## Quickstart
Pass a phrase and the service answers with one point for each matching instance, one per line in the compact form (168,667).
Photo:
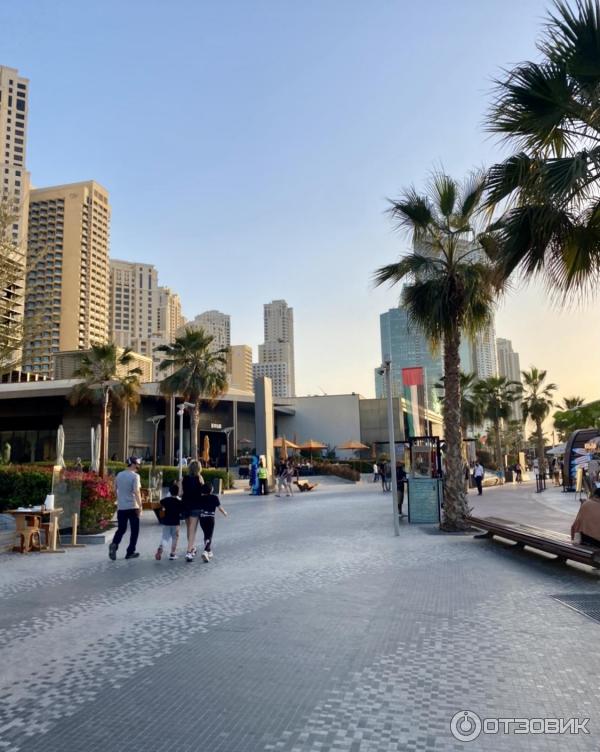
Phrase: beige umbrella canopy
(206,450)
(311,444)
(354,446)
(278,443)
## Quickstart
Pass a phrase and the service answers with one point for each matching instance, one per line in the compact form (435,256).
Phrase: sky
(250,146)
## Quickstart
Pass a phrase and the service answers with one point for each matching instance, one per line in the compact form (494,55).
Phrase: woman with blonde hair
(192,500)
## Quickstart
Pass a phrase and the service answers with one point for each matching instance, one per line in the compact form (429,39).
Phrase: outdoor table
(51,527)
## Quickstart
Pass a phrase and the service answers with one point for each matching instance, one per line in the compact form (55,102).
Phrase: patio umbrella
(60,446)
(311,444)
(289,444)
(283,452)
(206,450)
(353,446)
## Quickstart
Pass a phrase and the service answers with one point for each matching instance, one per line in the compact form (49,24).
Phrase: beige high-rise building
(276,355)
(239,366)
(67,271)
(134,302)
(217,324)
(170,317)
(14,96)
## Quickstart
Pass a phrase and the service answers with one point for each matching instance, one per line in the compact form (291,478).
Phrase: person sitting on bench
(587,522)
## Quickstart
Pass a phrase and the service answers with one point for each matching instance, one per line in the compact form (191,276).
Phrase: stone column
(263,421)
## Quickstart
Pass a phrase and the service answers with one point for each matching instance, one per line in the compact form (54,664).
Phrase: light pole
(155,420)
(385,371)
(227,432)
(181,413)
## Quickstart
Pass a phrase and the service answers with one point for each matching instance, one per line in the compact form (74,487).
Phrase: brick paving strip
(313,629)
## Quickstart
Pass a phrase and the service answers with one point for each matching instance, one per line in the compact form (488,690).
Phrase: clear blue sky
(248,146)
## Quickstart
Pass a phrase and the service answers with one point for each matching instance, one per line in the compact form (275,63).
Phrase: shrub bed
(20,486)
(341,471)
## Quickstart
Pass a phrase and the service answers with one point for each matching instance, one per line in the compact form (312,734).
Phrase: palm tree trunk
(104,434)
(455,502)
(195,421)
(499,458)
(540,447)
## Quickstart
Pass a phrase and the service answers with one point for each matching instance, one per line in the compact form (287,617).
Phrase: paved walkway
(552,509)
(314,629)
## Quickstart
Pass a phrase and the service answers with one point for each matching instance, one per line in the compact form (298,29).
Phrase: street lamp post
(227,432)
(155,420)
(181,413)
(385,371)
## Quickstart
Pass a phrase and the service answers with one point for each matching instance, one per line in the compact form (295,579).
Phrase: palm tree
(447,289)
(537,401)
(198,373)
(550,188)
(569,403)
(471,408)
(107,379)
(498,396)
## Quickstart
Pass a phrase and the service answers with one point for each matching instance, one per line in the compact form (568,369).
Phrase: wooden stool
(27,533)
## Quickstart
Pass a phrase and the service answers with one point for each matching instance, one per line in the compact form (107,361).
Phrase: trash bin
(217,484)
(509,476)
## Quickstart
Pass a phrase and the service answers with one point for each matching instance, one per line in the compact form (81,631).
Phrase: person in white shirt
(129,508)
(478,473)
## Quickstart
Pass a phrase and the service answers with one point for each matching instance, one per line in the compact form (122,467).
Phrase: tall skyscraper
(509,366)
(67,271)
(484,352)
(276,355)
(239,365)
(133,301)
(14,109)
(170,317)
(408,347)
(143,315)
(217,324)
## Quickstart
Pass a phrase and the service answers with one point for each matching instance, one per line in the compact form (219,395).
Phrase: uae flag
(413,380)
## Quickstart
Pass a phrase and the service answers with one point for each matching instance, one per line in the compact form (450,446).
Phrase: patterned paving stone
(313,629)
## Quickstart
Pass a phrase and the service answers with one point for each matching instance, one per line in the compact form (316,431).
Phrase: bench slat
(545,540)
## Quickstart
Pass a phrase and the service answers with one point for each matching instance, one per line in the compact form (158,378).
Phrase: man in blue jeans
(129,508)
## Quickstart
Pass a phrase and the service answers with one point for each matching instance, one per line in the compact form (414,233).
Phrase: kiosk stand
(425,490)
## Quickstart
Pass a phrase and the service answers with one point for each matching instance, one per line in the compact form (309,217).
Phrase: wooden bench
(558,544)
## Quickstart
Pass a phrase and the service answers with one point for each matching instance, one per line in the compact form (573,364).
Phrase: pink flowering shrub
(98,503)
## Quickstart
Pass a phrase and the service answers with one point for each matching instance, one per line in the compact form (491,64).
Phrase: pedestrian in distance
(478,473)
(170,513)
(400,481)
(375,472)
(382,472)
(519,472)
(263,478)
(209,505)
(280,479)
(191,492)
(288,477)
(129,509)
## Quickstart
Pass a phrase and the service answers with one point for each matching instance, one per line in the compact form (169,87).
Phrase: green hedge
(23,487)
(340,471)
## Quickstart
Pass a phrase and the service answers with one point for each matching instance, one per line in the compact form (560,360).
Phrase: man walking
(478,477)
(129,508)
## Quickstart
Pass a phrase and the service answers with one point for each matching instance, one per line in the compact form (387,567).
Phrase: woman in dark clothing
(192,502)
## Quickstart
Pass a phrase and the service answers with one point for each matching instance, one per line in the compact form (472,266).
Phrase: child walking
(209,503)
(170,517)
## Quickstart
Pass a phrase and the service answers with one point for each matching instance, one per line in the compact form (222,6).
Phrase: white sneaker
(205,556)
(210,554)
(189,556)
